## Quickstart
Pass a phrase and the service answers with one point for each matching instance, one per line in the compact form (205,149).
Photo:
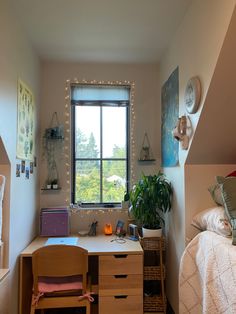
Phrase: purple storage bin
(54,222)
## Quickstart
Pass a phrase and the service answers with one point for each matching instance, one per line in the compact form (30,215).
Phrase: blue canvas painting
(169,118)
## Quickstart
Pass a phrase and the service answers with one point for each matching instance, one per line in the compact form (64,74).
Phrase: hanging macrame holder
(55,130)
(146,152)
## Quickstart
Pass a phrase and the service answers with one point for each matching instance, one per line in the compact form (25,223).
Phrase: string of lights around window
(67,148)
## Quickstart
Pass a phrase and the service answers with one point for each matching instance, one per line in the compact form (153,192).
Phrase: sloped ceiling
(214,139)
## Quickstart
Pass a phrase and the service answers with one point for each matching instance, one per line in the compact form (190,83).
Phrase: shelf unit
(154,275)
(44,189)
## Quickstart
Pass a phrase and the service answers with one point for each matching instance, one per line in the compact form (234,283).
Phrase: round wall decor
(192,94)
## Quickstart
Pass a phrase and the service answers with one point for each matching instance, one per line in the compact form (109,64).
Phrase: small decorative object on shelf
(146,152)
(52,146)
(55,130)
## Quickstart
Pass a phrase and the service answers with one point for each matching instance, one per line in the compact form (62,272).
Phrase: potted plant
(55,184)
(150,199)
(48,184)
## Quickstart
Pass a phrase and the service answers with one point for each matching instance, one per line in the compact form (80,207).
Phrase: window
(100,138)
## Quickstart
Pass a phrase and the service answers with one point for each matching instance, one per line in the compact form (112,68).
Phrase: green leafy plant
(150,199)
(126,196)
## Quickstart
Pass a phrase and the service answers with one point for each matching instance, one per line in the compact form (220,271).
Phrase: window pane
(114,132)
(87,181)
(87,132)
(114,180)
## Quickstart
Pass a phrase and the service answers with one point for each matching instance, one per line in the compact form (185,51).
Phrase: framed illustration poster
(169,118)
(25,123)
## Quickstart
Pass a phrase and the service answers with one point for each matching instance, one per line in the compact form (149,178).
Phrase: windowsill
(3,273)
(102,209)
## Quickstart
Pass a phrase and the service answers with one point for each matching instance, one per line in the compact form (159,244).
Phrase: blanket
(207,277)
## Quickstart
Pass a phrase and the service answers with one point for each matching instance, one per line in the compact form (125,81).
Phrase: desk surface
(98,245)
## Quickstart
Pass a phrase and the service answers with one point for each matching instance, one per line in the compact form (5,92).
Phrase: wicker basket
(153,244)
(154,304)
(153,272)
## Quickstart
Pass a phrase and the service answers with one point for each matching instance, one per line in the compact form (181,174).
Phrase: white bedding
(207,277)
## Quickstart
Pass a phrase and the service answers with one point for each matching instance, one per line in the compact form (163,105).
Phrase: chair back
(59,261)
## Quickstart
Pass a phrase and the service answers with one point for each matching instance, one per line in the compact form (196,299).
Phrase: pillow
(216,194)
(213,219)
(228,189)
(215,191)
(232,174)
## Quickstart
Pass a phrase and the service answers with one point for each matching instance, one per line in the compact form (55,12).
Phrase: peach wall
(195,49)
(147,113)
(17,59)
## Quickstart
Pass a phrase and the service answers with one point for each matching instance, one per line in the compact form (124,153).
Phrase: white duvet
(207,277)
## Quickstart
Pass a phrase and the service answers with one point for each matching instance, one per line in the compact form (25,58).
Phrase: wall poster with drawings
(25,123)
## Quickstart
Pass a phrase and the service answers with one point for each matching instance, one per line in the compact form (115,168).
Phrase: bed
(207,277)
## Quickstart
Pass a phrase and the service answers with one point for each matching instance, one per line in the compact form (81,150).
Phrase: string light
(67,148)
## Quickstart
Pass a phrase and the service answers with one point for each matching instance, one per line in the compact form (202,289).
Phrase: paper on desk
(63,240)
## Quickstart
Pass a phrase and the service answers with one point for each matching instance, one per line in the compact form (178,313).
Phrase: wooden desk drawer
(125,304)
(120,264)
(120,284)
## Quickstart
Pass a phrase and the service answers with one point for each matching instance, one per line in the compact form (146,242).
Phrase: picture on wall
(169,118)
(25,123)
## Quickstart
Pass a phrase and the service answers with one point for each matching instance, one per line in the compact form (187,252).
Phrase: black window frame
(106,103)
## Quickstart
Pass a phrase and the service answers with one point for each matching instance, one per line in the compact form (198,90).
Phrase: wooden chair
(60,278)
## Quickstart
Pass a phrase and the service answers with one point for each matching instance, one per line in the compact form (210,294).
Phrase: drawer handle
(120,255)
(120,296)
(120,276)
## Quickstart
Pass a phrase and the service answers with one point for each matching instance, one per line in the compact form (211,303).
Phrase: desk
(118,268)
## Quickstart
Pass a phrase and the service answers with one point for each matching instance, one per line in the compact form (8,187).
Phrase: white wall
(195,49)
(146,78)
(17,59)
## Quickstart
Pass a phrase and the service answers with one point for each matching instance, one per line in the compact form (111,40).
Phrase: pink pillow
(54,284)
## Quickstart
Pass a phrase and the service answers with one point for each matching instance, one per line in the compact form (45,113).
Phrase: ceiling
(127,31)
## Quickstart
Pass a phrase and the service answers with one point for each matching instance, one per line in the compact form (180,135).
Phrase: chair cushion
(54,284)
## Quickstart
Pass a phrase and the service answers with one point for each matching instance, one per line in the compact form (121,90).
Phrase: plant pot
(49,186)
(55,186)
(149,233)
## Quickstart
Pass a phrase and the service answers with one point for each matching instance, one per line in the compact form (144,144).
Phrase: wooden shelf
(154,274)
(45,189)
(146,160)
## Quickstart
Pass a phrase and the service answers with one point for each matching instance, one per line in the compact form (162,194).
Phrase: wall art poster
(169,119)
(25,123)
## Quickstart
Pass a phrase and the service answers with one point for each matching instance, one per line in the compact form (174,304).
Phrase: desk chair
(60,278)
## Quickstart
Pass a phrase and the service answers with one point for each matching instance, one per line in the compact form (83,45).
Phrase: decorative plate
(192,94)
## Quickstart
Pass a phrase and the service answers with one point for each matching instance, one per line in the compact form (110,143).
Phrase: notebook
(63,240)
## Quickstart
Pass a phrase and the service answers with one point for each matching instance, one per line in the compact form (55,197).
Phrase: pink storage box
(54,222)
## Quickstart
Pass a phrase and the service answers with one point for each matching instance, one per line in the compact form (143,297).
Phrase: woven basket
(154,304)
(153,272)
(152,244)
